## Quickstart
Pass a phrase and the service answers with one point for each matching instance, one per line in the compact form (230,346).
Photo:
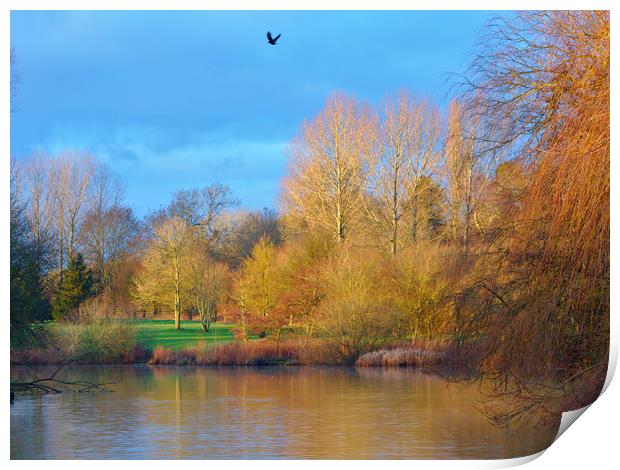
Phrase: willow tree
(162,278)
(326,168)
(546,76)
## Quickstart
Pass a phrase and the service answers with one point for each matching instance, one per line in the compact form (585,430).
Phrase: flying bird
(271,40)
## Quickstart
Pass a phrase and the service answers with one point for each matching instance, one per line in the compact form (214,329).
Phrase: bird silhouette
(271,40)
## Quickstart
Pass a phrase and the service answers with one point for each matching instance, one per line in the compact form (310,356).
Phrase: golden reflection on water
(239,413)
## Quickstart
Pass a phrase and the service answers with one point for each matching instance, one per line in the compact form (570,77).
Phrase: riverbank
(116,341)
(266,352)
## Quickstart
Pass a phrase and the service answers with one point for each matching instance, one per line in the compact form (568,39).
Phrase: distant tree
(69,183)
(61,192)
(238,308)
(416,285)
(76,286)
(241,233)
(430,213)
(106,237)
(105,193)
(353,315)
(201,207)
(302,286)
(39,199)
(163,276)
(502,200)
(208,284)
(469,165)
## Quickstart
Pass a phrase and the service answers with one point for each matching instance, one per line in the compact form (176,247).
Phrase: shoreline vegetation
(125,342)
(256,353)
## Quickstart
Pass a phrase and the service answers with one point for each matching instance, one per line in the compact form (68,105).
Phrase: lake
(160,412)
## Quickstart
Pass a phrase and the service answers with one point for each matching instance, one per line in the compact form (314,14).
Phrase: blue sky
(176,100)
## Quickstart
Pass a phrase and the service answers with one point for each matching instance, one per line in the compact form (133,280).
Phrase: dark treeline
(486,227)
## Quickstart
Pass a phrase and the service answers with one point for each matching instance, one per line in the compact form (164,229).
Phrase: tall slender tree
(404,153)
(325,180)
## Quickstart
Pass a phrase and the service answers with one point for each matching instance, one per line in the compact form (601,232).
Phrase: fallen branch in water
(53,385)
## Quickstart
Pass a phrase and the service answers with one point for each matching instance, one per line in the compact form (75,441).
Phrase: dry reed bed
(401,357)
(252,353)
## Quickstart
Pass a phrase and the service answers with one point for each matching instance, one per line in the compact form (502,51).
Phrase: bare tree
(404,153)
(69,181)
(106,226)
(326,167)
(239,233)
(40,205)
(208,284)
(469,164)
(106,238)
(201,207)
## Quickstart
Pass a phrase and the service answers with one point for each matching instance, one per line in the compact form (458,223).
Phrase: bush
(43,357)
(162,356)
(353,315)
(99,341)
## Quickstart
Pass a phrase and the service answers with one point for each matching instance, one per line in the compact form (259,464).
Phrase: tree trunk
(177,295)
(466,236)
(177,310)
(394,237)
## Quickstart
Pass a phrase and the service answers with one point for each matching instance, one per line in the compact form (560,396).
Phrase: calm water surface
(242,413)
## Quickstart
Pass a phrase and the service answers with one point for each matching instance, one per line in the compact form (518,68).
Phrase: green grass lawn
(153,333)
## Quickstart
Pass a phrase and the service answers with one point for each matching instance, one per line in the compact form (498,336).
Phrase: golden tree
(162,278)
(325,179)
(257,291)
(301,264)
(416,285)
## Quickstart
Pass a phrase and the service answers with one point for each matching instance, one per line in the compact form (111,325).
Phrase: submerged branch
(53,385)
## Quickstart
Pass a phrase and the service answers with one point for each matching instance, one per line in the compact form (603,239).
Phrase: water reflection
(206,413)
